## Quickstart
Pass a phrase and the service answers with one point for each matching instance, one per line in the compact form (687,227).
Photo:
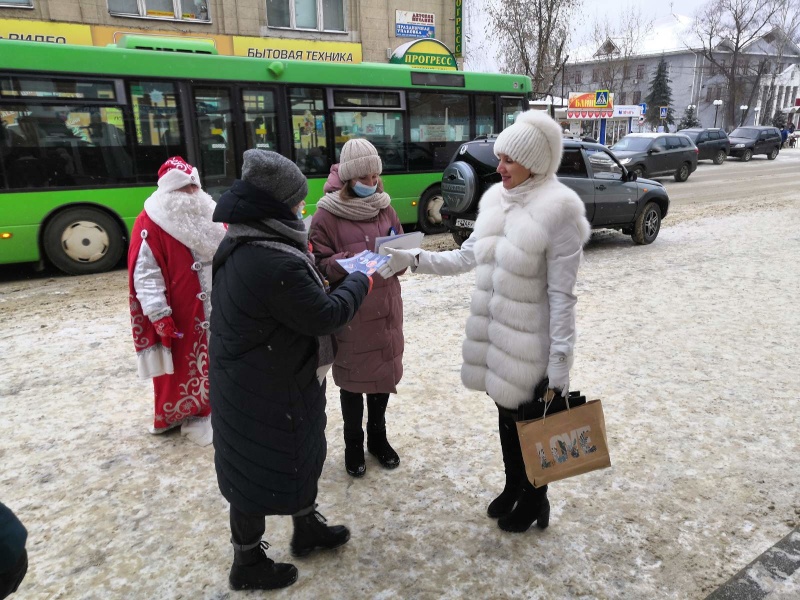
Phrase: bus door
(214,141)
(260,120)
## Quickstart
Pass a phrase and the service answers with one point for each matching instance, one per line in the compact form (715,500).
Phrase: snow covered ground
(691,343)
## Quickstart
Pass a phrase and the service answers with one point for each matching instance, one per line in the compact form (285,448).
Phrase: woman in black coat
(270,349)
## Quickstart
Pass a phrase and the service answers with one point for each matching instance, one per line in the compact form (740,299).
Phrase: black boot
(512,462)
(311,532)
(252,570)
(352,416)
(532,506)
(377,444)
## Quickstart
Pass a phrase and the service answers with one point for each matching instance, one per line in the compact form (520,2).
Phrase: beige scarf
(356,209)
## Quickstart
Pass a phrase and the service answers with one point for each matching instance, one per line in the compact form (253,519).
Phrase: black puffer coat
(267,405)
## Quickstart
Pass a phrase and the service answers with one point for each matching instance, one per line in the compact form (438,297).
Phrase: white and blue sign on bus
(663,111)
(414,24)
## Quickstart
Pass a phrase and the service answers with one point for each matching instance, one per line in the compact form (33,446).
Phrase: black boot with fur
(311,532)
(377,444)
(531,506)
(352,416)
(252,570)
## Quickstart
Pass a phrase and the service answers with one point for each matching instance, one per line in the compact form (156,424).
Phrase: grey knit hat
(358,158)
(275,174)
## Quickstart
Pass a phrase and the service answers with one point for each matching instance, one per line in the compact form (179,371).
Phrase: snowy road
(690,342)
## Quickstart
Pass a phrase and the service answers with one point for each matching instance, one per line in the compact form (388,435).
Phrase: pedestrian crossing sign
(601,98)
(663,111)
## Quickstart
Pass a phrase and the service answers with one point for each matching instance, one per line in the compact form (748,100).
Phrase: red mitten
(370,284)
(166,328)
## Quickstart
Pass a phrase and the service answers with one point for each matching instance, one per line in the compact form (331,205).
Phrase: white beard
(187,218)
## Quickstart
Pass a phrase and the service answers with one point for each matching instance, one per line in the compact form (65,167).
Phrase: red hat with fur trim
(177,173)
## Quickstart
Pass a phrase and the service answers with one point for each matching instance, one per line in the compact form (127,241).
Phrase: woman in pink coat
(369,358)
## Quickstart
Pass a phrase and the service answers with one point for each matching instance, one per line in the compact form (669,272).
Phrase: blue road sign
(601,98)
(644,107)
(664,111)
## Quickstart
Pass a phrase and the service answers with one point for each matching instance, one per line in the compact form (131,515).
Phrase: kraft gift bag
(564,444)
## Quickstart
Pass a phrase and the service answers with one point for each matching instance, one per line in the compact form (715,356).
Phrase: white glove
(558,374)
(398,260)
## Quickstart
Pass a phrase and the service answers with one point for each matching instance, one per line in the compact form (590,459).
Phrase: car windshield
(744,132)
(635,144)
(692,135)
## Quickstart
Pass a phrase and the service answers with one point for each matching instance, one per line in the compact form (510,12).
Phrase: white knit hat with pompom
(534,141)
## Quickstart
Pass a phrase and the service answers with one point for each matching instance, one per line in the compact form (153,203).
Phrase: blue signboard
(644,107)
(414,31)
(664,111)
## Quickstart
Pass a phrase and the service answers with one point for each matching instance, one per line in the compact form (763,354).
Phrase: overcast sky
(592,10)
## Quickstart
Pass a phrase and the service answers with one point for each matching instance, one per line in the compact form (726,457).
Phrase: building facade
(332,30)
(768,77)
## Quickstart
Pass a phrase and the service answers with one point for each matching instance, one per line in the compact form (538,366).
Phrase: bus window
(260,120)
(383,129)
(511,108)
(439,124)
(309,148)
(217,161)
(64,145)
(484,115)
(157,122)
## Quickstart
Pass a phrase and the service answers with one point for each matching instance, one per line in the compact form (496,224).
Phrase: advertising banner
(582,105)
(286,49)
(41,31)
(414,24)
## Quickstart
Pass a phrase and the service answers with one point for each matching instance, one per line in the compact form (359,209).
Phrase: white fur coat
(528,245)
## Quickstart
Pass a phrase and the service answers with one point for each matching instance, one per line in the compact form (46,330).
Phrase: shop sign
(414,24)
(425,54)
(39,31)
(458,48)
(296,49)
(627,110)
(583,105)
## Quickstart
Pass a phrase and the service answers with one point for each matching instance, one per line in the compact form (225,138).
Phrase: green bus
(83,131)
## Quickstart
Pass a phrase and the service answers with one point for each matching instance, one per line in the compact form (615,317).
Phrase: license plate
(469,224)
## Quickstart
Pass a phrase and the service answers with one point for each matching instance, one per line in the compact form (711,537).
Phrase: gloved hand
(165,327)
(398,260)
(558,374)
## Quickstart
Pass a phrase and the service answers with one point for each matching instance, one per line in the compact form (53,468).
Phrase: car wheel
(682,174)
(773,154)
(639,170)
(80,241)
(720,157)
(647,225)
(747,155)
(430,215)
(460,237)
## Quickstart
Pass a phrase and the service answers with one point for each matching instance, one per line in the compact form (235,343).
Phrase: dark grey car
(654,154)
(747,141)
(712,143)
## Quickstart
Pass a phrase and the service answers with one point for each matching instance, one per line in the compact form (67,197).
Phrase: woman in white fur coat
(526,249)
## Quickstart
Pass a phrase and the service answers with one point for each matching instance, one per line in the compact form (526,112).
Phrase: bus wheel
(80,241)
(430,216)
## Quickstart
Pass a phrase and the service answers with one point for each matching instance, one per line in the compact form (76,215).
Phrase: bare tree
(726,28)
(532,36)
(782,38)
(617,44)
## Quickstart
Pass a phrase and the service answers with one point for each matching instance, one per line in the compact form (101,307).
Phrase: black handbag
(536,408)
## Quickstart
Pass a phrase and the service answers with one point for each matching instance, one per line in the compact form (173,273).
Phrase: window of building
(637,97)
(439,125)
(20,3)
(626,72)
(578,77)
(320,15)
(640,72)
(709,94)
(595,74)
(183,10)
(623,96)
(310,147)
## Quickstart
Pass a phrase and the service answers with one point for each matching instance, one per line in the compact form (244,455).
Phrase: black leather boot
(352,416)
(531,506)
(512,462)
(252,570)
(377,444)
(311,532)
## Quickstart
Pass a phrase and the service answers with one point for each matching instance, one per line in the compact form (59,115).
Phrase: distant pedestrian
(784,136)
(526,248)
(270,349)
(13,556)
(169,277)
(369,359)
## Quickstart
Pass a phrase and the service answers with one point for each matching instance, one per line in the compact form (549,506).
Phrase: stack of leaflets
(365,261)
(402,241)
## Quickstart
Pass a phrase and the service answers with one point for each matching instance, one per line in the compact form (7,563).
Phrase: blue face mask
(362,191)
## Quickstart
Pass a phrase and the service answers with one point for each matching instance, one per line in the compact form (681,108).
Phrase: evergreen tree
(689,119)
(660,95)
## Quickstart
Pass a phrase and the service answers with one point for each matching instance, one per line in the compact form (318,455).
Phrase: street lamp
(717,103)
(743,108)
(756,110)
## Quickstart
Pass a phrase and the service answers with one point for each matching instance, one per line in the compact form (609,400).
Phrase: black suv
(712,143)
(746,141)
(652,154)
(613,196)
